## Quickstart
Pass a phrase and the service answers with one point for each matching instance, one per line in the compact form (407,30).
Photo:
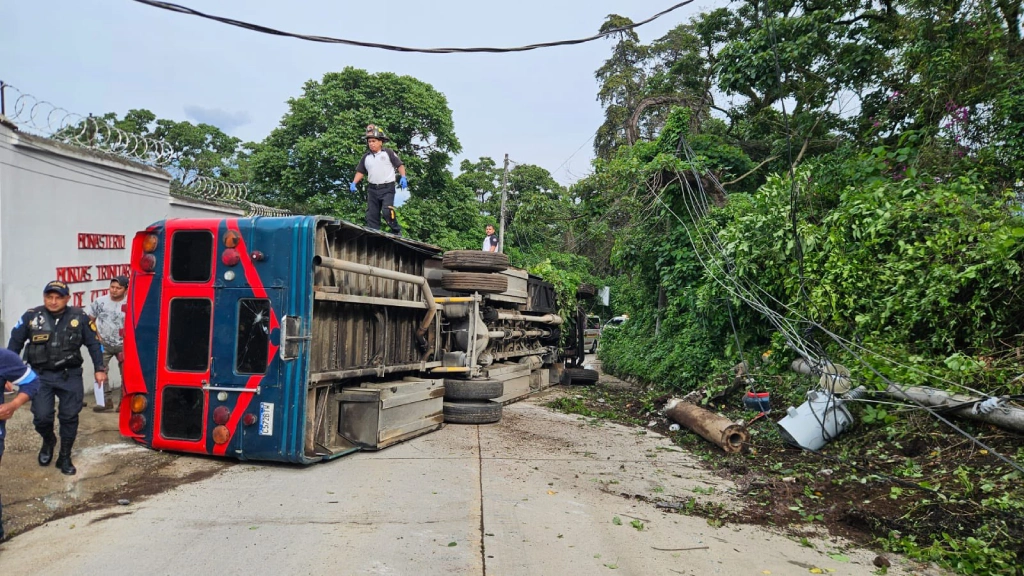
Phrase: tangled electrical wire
(46,119)
(713,256)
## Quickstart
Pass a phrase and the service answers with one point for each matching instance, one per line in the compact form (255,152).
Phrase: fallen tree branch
(754,169)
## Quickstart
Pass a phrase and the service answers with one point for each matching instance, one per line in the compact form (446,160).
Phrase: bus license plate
(266,418)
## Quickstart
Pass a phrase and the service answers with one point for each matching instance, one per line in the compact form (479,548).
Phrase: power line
(331,40)
(585,142)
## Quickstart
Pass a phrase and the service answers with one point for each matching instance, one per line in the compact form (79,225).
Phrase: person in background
(108,314)
(55,333)
(13,372)
(378,165)
(491,241)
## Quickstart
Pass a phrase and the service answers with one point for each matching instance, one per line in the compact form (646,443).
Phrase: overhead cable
(331,40)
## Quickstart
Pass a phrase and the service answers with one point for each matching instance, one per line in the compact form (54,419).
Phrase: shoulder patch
(21,321)
(92,325)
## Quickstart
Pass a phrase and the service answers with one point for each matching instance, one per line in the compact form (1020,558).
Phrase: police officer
(13,372)
(55,333)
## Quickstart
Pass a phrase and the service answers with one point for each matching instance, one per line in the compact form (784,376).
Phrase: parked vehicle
(616,321)
(305,338)
(592,333)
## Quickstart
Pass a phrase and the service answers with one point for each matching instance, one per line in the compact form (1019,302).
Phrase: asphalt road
(537,494)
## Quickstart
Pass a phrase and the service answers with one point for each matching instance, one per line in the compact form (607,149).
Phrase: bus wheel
(480,389)
(474,261)
(579,376)
(474,282)
(484,412)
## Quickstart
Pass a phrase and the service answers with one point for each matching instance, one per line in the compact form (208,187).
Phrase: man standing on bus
(378,165)
(13,372)
(55,333)
(108,314)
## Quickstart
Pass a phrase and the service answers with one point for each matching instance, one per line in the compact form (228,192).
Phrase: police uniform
(13,370)
(54,352)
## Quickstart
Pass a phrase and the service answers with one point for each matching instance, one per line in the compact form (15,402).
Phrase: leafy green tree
(622,79)
(308,161)
(482,176)
(187,150)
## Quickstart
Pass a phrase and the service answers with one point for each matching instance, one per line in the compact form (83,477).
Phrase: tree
(308,161)
(623,80)
(482,176)
(186,150)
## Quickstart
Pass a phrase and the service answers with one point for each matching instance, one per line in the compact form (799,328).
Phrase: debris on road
(716,429)
(818,420)
(990,410)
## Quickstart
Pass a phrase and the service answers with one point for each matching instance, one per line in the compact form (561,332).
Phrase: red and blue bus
(304,338)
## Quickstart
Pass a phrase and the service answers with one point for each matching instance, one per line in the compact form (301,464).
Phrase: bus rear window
(191,256)
(253,336)
(188,335)
(181,413)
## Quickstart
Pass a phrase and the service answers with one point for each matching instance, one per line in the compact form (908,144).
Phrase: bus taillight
(147,263)
(221,434)
(136,423)
(138,403)
(221,414)
(230,257)
(149,243)
(231,239)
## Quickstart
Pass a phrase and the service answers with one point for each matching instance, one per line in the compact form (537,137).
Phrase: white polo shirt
(380,167)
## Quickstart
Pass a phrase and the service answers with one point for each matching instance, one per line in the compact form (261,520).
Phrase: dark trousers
(65,386)
(1,499)
(381,197)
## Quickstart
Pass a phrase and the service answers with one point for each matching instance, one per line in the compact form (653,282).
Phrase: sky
(539,107)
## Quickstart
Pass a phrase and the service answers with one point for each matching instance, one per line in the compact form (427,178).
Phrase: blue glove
(403,183)
(352,186)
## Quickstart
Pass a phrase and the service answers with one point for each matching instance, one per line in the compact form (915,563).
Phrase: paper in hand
(98,392)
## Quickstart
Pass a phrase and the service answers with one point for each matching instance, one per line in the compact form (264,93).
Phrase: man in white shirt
(378,166)
(491,241)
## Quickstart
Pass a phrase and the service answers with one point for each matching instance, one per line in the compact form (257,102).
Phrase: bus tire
(474,261)
(479,389)
(579,376)
(483,412)
(474,282)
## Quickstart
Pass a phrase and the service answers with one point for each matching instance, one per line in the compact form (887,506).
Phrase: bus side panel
(142,331)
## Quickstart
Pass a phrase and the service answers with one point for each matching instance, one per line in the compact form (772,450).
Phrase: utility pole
(504,195)
(3,103)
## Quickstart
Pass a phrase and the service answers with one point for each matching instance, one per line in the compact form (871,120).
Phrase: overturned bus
(305,338)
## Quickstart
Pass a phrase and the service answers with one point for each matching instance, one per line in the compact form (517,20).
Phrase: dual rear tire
(474,271)
(471,401)
(579,376)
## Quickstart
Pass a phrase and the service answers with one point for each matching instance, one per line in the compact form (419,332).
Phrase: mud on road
(110,468)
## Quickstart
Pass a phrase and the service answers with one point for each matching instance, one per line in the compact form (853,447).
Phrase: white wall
(49,193)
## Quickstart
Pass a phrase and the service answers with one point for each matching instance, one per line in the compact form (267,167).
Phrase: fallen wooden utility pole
(716,429)
(990,411)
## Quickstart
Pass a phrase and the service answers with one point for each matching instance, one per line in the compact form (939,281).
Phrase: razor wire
(46,119)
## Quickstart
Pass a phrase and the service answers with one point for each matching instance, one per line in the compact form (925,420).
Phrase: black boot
(46,452)
(64,460)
